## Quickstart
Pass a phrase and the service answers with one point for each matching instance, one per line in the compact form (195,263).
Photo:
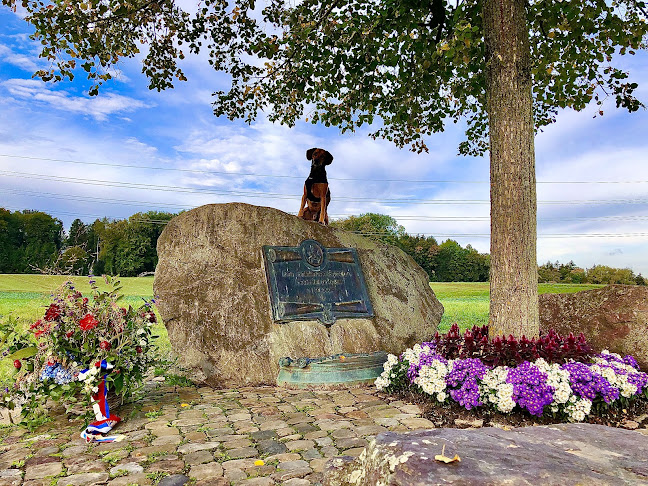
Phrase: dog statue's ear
(328,158)
(309,153)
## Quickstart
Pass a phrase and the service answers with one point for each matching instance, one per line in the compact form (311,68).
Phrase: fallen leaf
(442,458)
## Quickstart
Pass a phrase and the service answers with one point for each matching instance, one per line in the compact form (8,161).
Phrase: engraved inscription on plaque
(313,282)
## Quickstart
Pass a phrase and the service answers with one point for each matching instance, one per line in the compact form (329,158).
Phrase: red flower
(17,364)
(69,334)
(123,310)
(149,316)
(105,345)
(53,312)
(88,322)
(85,301)
(44,328)
(36,324)
(138,349)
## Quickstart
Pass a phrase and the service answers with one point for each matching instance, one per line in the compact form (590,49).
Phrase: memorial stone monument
(241,287)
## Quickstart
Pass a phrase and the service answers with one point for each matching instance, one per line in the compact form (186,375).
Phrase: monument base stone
(212,292)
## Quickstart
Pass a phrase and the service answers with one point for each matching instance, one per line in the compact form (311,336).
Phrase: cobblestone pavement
(205,436)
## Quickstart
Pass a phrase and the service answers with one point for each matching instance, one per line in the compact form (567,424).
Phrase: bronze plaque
(313,282)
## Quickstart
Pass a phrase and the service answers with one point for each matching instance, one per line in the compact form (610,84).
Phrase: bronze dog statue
(317,195)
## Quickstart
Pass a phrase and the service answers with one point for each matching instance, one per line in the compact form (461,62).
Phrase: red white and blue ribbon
(96,431)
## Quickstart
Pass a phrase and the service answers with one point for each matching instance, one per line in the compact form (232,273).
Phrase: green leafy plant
(79,342)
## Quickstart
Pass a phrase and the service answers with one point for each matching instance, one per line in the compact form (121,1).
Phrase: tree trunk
(514,268)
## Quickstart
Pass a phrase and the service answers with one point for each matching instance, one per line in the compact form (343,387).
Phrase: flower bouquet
(85,349)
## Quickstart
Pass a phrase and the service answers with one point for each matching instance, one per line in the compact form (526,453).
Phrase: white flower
(579,410)
(431,378)
(628,390)
(381,383)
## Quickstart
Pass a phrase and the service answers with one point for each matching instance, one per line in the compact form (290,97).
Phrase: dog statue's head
(319,157)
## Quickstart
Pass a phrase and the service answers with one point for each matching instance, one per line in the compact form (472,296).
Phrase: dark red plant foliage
(509,351)
(53,312)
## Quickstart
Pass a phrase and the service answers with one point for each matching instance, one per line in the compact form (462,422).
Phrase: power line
(259,194)
(399,217)
(403,217)
(436,235)
(284,176)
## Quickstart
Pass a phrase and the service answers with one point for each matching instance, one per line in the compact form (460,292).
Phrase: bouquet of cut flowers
(81,348)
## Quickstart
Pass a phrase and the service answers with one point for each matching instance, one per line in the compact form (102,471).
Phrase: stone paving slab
(204,436)
(252,435)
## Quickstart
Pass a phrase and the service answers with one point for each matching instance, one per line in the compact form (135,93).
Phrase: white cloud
(26,63)
(99,107)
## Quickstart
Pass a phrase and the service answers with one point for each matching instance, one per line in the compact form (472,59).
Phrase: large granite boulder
(546,455)
(212,293)
(613,317)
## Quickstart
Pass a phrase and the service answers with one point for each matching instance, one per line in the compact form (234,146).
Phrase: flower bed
(576,384)
(81,347)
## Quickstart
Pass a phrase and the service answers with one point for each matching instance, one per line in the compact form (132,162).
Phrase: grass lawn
(466,303)
(27,296)
(132,286)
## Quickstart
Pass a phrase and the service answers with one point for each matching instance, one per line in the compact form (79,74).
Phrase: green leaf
(23,353)
(118,383)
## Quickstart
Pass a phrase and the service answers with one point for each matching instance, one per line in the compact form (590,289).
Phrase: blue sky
(74,156)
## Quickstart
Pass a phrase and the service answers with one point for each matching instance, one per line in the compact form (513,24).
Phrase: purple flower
(462,381)
(530,389)
(629,360)
(640,380)
(587,384)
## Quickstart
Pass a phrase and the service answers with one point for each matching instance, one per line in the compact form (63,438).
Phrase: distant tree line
(35,242)
(28,239)
(445,262)
(450,262)
(599,274)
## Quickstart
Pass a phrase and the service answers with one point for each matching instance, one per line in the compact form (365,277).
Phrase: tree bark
(514,268)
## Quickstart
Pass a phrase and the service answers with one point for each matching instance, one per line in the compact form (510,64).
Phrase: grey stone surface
(129,468)
(174,480)
(213,296)
(206,471)
(272,447)
(86,479)
(43,470)
(547,455)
